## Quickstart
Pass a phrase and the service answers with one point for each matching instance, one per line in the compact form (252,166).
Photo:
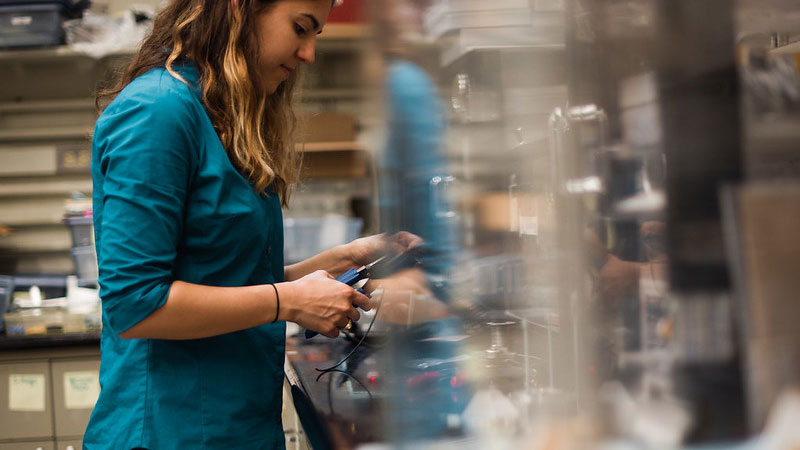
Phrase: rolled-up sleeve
(142,166)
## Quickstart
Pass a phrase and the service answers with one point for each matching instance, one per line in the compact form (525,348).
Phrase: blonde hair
(256,128)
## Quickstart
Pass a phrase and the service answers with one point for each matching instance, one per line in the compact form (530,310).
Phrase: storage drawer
(75,389)
(74,444)
(31,25)
(25,401)
(33,445)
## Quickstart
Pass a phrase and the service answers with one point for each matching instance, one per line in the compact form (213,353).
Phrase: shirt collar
(189,71)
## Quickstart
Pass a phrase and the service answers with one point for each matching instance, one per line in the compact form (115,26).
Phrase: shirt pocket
(262,273)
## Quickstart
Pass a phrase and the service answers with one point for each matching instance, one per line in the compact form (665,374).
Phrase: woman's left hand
(365,250)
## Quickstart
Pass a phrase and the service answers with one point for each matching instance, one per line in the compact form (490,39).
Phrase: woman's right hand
(320,303)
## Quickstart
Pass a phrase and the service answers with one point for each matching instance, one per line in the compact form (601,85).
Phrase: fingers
(370,286)
(342,322)
(406,239)
(360,300)
(353,314)
(331,332)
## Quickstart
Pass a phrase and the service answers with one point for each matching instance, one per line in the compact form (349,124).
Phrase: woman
(192,161)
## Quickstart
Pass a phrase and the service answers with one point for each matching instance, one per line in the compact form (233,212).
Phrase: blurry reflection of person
(624,287)
(619,278)
(412,175)
(412,165)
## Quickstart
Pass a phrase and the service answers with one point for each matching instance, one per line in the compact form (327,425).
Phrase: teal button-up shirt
(169,205)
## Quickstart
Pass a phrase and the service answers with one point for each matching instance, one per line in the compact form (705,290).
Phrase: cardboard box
(336,164)
(328,127)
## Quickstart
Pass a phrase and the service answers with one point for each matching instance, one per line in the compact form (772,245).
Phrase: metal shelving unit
(47,113)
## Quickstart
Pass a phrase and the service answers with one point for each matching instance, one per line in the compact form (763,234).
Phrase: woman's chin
(269,86)
(273,86)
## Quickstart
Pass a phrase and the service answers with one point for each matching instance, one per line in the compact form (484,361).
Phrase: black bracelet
(277,303)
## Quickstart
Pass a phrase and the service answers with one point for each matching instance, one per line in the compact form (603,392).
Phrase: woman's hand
(320,303)
(367,249)
(411,280)
(357,253)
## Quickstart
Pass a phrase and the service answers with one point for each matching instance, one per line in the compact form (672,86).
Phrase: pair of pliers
(381,267)
(350,278)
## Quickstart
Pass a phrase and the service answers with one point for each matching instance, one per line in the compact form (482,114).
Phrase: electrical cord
(366,333)
(344,372)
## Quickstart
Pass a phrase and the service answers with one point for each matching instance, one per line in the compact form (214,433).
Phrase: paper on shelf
(26,392)
(81,389)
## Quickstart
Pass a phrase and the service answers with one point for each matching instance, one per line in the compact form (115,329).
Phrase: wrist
(346,255)
(286,310)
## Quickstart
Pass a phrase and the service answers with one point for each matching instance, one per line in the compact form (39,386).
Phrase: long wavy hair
(256,128)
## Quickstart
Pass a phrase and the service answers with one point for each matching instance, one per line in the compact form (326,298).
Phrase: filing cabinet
(74,444)
(47,396)
(75,390)
(26,406)
(33,445)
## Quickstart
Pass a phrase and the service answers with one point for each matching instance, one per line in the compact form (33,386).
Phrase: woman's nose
(307,49)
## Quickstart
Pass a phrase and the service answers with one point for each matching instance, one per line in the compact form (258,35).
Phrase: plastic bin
(305,237)
(71,8)
(35,321)
(6,291)
(85,260)
(31,25)
(81,229)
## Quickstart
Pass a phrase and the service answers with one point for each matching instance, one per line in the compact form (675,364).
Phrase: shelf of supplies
(345,159)
(44,238)
(51,53)
(546,34)
(313,147)
(793,47)
(316,94)
(49,133)
(333,31)
(453,54)
(51,185)
(335,34)
(77,104)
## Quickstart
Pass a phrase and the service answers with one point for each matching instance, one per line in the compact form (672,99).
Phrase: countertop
(407,384)
(339,408)
(48,340)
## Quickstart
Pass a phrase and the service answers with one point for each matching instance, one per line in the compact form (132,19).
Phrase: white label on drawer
(81,389)
(21,21)
(26,392)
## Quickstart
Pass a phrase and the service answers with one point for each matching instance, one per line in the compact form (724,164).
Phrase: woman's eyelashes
(299,29)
